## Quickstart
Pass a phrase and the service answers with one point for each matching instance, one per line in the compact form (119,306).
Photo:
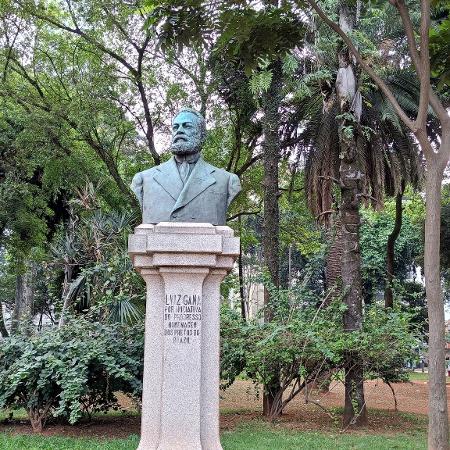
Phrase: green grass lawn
(252,436)
(419,376)
(16,442)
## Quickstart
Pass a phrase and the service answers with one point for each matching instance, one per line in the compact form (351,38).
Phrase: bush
(304,343)
(72,371)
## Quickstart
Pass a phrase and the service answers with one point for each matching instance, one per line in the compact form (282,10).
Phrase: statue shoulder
(146,173)
(219,171)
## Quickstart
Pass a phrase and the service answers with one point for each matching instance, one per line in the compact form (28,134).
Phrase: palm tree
(354,155)
(387,154)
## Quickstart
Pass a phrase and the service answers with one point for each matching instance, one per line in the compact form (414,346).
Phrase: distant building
(447,326)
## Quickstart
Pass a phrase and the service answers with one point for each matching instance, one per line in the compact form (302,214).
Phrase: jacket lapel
(168,178)
(198,181)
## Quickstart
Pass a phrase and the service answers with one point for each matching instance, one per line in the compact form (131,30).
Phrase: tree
(408,252)
(437,153)
(303,342)
(51,84)
(271,231)
(118,36)
(355,153)
(278,22)
(390,255)
(351,179)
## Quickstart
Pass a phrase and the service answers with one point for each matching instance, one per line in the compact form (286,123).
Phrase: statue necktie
(184,171)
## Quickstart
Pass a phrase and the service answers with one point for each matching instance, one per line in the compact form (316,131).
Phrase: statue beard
(182,147)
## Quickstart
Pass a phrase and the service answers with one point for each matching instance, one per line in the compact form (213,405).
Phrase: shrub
(72,371)
(304,343)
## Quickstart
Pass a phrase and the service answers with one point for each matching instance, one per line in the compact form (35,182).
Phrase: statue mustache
(179,136)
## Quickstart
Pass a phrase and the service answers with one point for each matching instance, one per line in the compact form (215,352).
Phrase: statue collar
(191,158)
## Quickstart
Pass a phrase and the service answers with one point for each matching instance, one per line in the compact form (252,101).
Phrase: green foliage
(71,114)
(387,340)
(179,23)
(71,371)
(440,44)
(302,88)
(410,297)
(297,225)
(375,229)
(249,34)
(260,82)
(233,343)
(115,289)
(244,33)
(106,281)
(305,340)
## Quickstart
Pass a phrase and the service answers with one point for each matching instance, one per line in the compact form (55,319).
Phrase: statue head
(188,132)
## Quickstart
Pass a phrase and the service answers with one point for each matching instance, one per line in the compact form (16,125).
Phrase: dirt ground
(411,397)
(239,404)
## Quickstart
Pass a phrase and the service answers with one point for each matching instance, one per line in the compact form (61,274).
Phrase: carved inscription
(182,317)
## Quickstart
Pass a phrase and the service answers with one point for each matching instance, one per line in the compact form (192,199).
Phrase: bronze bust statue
(186,188)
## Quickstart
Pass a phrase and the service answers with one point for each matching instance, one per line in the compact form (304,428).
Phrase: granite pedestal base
(183,265)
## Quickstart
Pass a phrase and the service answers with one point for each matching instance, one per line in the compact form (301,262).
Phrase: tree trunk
(23,306)
(68,271)
(241,284)
(355,412)
(333,280)
(270,242)
(333,272)
(437,400)
(437,160)
(18,304)
(390,253)
(3,330)
(351,181)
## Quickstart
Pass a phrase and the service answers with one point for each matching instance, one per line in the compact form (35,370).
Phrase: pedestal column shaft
(181,389)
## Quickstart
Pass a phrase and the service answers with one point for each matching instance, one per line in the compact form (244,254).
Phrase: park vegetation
(333,114)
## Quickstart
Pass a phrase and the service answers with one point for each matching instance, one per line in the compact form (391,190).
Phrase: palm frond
(124,311)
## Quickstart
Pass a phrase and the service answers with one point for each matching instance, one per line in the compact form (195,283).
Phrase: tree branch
(78,31)
(121,29)
(330,178)
(243,213)
(149,133)
(424,73)
(58,74)
(247,164)
(324,213)
(10,50)
(409,32)
(132,113)
(22,72)
(104,155)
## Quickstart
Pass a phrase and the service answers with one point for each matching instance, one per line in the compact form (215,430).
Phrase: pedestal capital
(181,244)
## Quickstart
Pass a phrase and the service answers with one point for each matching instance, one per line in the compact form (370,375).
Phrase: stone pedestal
(183,265)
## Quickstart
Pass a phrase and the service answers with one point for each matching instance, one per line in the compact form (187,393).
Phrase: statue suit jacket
(204,198)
